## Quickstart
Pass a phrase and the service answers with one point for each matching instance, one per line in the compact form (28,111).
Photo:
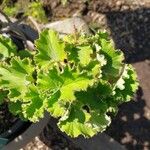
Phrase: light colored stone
(3,19)
(68,26)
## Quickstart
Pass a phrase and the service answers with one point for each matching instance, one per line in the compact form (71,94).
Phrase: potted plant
(13,39)
(79,79)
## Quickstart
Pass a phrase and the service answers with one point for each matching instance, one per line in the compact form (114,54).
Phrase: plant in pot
(79,79)
(10,125)
(13,40)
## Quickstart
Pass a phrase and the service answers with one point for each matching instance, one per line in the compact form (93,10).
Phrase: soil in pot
(7,120)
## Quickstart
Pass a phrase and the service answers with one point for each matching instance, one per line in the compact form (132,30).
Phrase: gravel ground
(36,144)
(128,22)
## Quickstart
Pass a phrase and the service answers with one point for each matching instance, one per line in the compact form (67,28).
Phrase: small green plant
(79,80)
(64,2)
(35,9)
(27,8)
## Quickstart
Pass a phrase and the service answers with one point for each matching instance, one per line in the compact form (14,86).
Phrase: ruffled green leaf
(7,48)
(93,69)
(130,84)
(83,123)
(76,124)
(84,55)
(56,107)
(67,82)
(16,76)
(26,53)
(88,116)
(49,81)
(74,81)
(114,58)
(35,104)
(50,49)
(61,88)
(95,98)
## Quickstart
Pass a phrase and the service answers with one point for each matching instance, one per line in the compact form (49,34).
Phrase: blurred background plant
(64,2)
(20,8)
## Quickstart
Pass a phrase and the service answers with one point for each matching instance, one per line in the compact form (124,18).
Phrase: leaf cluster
(79,79)
(25,7)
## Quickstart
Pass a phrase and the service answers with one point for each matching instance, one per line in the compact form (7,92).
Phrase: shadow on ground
(131,33)
(131,126)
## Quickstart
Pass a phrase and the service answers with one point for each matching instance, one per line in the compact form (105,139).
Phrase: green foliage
(78,79)
(50,49)
(64,2)
(33,8)
(11,11)
(7,48)
(16,76)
